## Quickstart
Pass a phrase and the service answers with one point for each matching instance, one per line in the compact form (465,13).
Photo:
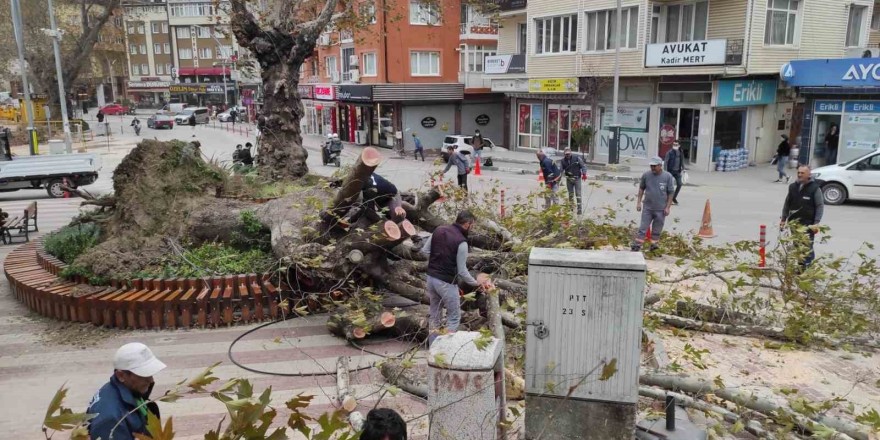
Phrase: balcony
(474,80)
(478,31)
(510,5)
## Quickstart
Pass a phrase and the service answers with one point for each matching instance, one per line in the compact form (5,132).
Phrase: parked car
(116,109)
(201,113)
(174,107)
(160,120)
(242,115)
(858,179)
(463,143)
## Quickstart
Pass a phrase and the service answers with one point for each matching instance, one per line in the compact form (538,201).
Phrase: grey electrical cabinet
(584,310)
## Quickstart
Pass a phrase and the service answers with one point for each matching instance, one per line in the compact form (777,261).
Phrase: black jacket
(784,148)
(573,168)
(444,250)
(804,205)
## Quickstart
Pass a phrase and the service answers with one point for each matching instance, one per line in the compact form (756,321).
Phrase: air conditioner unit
(355,75)
(353,60)
(324,40)
(863,52)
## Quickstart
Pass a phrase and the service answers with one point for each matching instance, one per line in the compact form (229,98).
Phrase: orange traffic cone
(706,225)
(477,168)
(648,237)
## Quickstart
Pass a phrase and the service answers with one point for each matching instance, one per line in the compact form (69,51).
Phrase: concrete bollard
(462,387)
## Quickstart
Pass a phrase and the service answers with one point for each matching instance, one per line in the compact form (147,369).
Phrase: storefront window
(530,126)
(682,125)
(386,125)
(562,121)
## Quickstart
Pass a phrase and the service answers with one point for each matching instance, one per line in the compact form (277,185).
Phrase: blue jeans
(443,295)
(780,166)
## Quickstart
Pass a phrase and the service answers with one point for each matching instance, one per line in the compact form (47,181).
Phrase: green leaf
(870,418)
(56,402)
(608,370)
(203,379)
(440,360)
(393,390)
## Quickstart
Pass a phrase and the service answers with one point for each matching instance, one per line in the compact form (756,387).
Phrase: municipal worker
(574,169)
(656,188)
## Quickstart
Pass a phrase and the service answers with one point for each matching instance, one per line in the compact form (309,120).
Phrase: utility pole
(62,97)
(29,106)
(614,141)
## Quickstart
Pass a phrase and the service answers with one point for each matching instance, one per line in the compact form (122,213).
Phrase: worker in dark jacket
(447,252)
(574,169)
(805,206)
(674,162)
(380,195)
(551,178)
(126,396)
(462,165)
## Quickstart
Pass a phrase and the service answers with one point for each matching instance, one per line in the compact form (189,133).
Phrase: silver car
(201,114)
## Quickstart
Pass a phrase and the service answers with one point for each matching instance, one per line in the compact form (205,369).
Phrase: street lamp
(56,34)
(22,65)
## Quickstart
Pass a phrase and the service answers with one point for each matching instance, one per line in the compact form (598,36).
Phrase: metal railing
(478,28)
(734,55)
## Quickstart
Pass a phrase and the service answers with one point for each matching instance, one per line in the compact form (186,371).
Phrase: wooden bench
(24,224)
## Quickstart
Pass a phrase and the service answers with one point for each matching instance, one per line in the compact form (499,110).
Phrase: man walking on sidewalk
(656,188)
(804,205)
(551,178)
(574,169)
(419,148)
(675,165)
(447,252)
(462,165)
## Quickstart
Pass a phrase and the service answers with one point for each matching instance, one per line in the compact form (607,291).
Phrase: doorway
(682,125)
(822,127)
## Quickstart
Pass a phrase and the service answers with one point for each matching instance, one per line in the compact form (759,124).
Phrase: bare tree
(280,45)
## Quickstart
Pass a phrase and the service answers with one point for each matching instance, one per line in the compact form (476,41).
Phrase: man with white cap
(126,396)
(657,187)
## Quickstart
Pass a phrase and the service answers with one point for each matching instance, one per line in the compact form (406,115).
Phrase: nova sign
(690,53)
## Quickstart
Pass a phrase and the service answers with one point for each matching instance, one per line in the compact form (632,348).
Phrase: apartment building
(411,67)
(704,73)
(183,51)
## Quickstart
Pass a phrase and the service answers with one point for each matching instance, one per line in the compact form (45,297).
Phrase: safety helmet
(334,136)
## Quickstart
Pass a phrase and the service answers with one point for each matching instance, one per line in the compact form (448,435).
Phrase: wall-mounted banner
(689,53)
(325,92)
(832,72)
(633,131)
(553,85)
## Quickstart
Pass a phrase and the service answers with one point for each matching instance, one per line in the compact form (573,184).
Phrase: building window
(185,54)
(368,12)
(141,28)
(601,32)
(143,49)
(875,18)
(523,37)
(204,31)
(205,53)
(183,32)
(682,22)
(314,65)
(167,47)
(332,71)
(530,125)
(135,69)
(157,48)
(855,24)
(133,49)
(131,27)
(224,52)
(192,10)
(160,69)
(369,62)
(168,68)
(154,27)
(145,69)
(473,57)
(164,28)
(424,63)
(556,34)
(782,16)
(423,13)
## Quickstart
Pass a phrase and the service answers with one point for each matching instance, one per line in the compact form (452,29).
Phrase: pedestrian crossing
(38,355)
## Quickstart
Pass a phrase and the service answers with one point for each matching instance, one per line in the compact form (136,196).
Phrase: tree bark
(352,186)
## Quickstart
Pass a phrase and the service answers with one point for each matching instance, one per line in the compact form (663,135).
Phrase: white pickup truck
(46,171)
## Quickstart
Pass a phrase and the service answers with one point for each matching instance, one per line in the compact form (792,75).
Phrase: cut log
(344,397)
(406,379)
(845,430)
(352,185)
(493,315)
(505,235)
(340,324)
(407,229)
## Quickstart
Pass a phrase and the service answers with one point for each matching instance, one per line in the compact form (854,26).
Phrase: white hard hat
(335,136)
(137,358)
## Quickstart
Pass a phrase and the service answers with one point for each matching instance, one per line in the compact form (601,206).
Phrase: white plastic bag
(685,178)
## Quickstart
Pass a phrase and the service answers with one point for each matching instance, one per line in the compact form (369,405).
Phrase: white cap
(137,358)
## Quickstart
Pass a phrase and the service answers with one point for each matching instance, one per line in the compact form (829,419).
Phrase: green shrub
(211,259)
(70,242)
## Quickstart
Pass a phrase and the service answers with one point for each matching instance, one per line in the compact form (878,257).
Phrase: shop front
(309,124)
(740,135)
(320,111)
(841,109)
(428,110)
(148,92)
(356,113)
(200,95)
(547,112)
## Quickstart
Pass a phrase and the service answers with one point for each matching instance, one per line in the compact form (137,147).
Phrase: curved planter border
(34,276)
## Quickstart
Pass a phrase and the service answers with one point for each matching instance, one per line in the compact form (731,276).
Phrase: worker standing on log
(380,195)
(447,252)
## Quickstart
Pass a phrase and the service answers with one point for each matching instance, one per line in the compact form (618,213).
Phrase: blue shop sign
(852,72)
(743,92)
(828,106)
(863,106)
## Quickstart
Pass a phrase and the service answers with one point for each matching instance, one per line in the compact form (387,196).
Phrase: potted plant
(582,138)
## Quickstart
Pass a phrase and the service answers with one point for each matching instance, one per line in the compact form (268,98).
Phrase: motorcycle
(331,152)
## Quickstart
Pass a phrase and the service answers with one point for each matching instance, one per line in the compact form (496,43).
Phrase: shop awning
(194,71)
